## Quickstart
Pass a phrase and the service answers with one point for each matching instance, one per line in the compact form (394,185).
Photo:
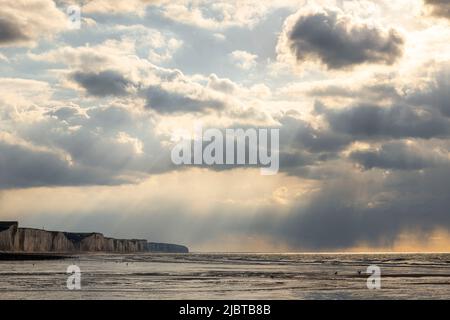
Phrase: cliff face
(7,237)
(17,239)
(34,240)
(92,242)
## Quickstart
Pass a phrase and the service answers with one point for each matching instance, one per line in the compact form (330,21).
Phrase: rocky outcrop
(15,239)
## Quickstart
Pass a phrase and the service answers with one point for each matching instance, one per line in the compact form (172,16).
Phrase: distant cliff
(15,239)
(166,247)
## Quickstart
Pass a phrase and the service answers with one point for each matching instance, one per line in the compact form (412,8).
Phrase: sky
(359,91)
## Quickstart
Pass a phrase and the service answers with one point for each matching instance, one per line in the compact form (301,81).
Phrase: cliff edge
(15,239)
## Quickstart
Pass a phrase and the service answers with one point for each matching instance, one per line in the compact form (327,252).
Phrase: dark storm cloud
(420,112)
(382,208)
(330,223)
(105,83)
(21,167)
(103,145)
(299,134)
(97,144)
(398,121)
(338,43)
(165,101)
(439,8)
(10,32)
(397,155)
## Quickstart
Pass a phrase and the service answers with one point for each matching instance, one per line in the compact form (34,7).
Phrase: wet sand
(229,276)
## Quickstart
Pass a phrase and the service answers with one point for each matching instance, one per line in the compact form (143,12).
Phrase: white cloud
(3,58)
(221,14)
(22,23)
(111,7)
(243,59)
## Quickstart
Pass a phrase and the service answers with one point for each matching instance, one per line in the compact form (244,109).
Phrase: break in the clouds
(358,90)
(337,40)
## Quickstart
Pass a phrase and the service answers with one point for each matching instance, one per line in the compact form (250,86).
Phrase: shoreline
(28,256)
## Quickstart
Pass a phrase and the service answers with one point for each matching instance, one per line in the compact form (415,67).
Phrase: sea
(230,276)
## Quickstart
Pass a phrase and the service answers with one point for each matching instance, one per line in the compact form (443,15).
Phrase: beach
(229,276)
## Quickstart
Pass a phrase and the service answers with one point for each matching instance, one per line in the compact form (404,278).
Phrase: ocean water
(230,276)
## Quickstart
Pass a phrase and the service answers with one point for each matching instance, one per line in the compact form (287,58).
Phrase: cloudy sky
(359,90)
